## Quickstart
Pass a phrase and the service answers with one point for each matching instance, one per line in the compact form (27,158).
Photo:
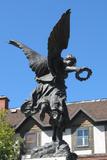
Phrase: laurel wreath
(85,69)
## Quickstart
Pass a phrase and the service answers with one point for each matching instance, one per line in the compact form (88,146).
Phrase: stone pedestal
(51,158)
(52,151)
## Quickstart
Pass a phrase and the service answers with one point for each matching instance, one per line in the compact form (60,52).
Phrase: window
(32,139)
(82,137)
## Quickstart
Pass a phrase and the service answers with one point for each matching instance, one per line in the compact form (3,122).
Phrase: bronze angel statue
(51,71)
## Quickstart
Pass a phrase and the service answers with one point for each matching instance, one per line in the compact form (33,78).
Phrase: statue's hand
(80,71)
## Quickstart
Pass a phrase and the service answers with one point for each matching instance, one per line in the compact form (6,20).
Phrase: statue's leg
(57,131)
(54,133)
(54,120)
(60,134)
(60,128)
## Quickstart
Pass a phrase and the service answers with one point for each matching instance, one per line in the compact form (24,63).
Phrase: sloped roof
(15,118)
(96,110)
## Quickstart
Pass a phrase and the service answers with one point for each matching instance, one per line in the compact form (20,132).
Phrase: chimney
(4,102)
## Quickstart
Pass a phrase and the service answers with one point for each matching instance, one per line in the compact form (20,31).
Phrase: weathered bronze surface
(51,72)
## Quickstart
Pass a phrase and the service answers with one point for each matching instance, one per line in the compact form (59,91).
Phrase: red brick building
(86,133)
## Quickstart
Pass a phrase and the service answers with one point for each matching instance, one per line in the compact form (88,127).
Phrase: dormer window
(82,137)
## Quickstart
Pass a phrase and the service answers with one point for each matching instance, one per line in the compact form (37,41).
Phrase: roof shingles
(96,110)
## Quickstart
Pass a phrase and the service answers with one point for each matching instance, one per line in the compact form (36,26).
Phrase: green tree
(9,144)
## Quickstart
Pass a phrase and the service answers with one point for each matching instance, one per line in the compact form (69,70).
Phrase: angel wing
(37,63)
(57,41)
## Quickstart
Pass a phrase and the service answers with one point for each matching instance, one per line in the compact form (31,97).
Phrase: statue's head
(70,60)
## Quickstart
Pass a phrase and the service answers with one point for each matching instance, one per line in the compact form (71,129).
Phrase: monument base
(51,158)
(52,151)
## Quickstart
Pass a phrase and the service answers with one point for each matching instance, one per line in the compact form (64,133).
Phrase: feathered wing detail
(57,41)
(37,63)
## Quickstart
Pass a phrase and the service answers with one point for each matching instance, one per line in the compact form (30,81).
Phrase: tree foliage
(9,148)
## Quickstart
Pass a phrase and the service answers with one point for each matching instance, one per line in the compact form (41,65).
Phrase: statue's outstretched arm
(78,71)
(73,69)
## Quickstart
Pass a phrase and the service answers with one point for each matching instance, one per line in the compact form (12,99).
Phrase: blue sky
(31,22)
